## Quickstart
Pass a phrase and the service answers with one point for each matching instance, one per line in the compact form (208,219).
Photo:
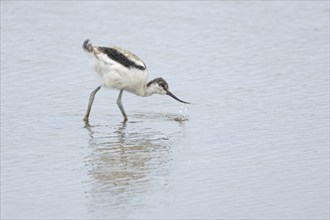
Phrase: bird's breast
(119,77)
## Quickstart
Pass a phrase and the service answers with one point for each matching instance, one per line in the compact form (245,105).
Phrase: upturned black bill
(176,98)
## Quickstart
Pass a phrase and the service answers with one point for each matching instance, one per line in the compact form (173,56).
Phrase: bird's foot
(86,122)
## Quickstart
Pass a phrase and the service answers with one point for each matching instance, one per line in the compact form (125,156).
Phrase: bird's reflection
(125,162)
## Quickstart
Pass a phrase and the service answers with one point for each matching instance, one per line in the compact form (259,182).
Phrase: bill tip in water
(176,98)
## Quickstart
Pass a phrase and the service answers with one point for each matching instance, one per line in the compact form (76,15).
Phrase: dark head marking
(161,82)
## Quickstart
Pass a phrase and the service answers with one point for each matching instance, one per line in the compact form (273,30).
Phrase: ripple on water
(179,117)
(125,161)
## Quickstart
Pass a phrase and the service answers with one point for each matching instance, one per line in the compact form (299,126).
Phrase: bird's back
(118,68)
(117,54)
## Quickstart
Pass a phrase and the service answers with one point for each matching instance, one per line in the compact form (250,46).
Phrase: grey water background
(254,143)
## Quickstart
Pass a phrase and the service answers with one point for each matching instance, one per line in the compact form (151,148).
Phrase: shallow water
(254,143)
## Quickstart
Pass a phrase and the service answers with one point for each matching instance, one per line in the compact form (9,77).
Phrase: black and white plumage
(121,69)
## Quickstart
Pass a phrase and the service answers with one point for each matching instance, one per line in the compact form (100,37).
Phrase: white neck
(149,90)
(153,88)
(145,90)
(142,90)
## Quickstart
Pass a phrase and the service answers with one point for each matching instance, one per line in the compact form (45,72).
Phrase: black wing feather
(120,58)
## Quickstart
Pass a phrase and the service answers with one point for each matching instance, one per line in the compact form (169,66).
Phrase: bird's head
(160,86)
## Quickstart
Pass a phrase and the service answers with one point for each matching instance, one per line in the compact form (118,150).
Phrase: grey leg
(90,103)
(120,105)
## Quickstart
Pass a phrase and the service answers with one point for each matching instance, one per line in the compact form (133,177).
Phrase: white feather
(115,75)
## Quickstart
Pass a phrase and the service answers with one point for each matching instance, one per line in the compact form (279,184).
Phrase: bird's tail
(88,47)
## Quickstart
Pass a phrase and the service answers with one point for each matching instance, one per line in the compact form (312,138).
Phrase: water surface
(254,143)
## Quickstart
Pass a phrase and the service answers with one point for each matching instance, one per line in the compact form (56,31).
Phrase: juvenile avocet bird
(121,69)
